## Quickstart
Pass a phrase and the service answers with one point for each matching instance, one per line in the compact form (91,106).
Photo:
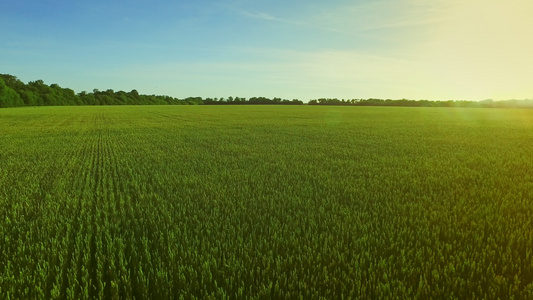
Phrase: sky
(292,49)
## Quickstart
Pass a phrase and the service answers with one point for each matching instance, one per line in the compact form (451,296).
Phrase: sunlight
(485,48)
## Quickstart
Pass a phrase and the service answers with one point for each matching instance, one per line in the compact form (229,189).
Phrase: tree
(39,91)
(8,96)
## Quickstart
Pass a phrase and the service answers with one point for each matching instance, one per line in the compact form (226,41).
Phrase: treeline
(14,93)
(528,103)
(253,100)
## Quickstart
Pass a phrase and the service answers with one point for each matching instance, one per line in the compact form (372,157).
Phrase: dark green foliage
(36,93)
(265,202)
(8,96)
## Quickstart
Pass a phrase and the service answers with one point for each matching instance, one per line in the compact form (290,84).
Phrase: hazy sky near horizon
(415,49)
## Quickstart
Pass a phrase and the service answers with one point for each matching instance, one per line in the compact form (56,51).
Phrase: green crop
(259,202)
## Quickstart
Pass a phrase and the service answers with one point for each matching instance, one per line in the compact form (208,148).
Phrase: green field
(259,202)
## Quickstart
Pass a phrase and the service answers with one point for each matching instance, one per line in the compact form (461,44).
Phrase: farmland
(257,202)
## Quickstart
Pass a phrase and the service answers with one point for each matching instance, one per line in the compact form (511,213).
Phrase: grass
(259,202)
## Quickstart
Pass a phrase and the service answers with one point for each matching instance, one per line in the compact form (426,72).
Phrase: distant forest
(528,103)
(15,93)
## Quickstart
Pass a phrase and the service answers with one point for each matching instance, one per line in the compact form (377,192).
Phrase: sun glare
(485,48)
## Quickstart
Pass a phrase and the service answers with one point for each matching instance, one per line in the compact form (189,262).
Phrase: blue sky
(416,49)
